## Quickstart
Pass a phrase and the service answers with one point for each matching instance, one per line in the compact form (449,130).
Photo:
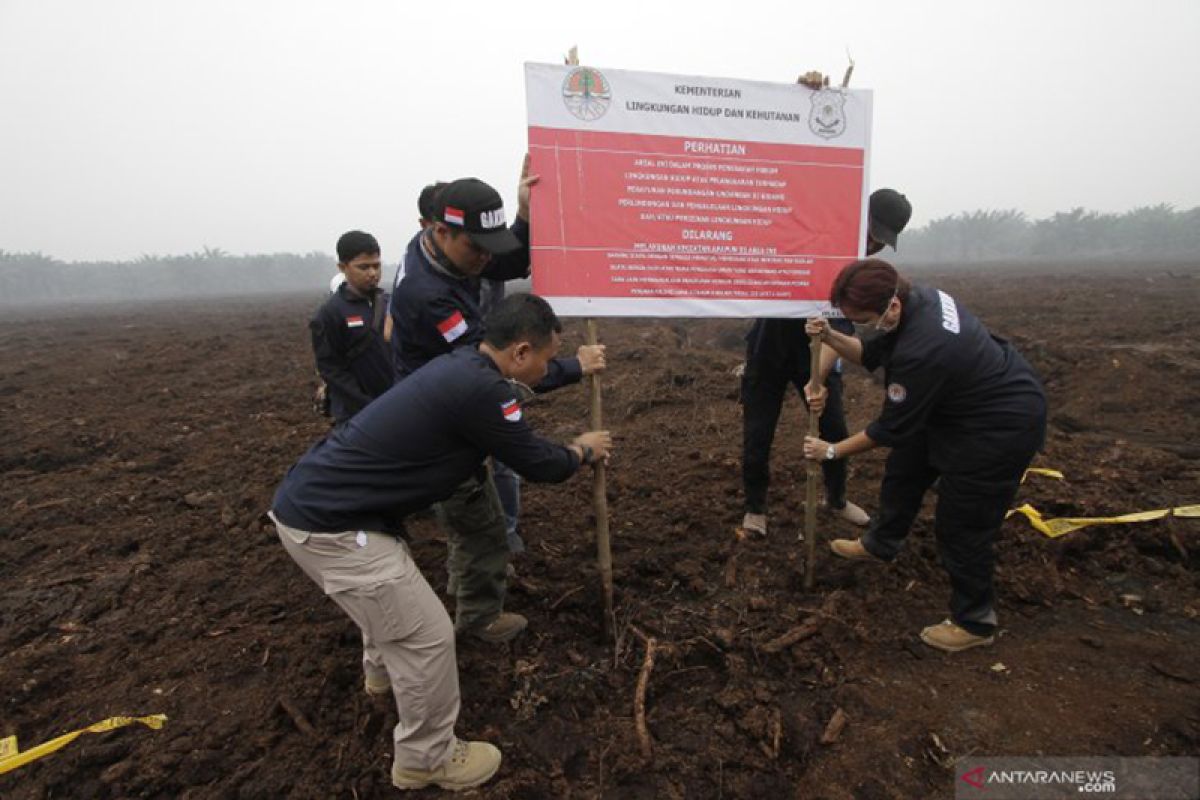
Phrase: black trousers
(763,388)
(972,501)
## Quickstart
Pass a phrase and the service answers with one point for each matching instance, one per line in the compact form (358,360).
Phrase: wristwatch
(830,453)
(587,454)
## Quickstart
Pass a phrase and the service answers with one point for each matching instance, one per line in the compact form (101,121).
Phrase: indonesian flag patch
(511,410)
(354,322)
(452,326)
(453,215)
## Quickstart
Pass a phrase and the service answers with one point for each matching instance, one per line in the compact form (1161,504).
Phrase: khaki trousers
(406,631)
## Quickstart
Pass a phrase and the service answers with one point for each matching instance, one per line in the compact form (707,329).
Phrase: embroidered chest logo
(896,392)
(354,322)
(511,410)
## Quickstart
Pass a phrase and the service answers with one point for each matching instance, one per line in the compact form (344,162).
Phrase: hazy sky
(162,126)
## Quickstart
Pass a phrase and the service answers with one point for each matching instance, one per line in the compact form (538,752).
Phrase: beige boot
(951,638)
(503,628)
(852,549)
(470,764)
(378,685)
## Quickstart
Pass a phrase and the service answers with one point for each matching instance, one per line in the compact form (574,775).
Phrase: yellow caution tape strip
(11,757)
(1049,473)
(1057,527)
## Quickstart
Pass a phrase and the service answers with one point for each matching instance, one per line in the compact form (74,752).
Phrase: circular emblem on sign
(896,393)
(586,93)
(827,117)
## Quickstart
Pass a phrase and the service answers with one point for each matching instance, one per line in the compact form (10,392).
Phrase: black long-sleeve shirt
(434,311)
(412,446)
(352,355)
(951,379)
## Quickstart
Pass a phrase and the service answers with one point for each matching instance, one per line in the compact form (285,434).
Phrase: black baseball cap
(426,201)
(472,206)
(890,212)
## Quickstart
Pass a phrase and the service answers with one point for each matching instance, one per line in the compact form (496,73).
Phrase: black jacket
(352,355)
(950,379)
(434,311)
(413,446)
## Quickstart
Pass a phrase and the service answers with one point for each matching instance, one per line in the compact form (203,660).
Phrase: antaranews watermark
(1012,778)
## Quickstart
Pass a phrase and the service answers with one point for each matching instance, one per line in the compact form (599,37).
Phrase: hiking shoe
(378,685)
(852,514)
(470,764)
(951,638)
(851,549)
(755,525)
(503,628)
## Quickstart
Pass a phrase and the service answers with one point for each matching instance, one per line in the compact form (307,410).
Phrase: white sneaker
(755,524)
(853,514)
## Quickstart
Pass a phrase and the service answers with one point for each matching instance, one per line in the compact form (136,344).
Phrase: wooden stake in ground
(810,486)
(599,482)
(600,500)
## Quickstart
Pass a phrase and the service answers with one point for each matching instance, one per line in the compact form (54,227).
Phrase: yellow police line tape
(11,758)
(1057,527)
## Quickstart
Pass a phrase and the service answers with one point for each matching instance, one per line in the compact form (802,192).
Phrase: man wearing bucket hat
(436,309)
(777,353)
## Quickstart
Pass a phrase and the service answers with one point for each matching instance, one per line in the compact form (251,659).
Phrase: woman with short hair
(962,408)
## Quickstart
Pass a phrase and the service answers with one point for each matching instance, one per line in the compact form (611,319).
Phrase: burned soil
(141,576)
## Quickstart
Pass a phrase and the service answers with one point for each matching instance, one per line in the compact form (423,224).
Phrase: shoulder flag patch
(452,326)
(511,410)
(354,322)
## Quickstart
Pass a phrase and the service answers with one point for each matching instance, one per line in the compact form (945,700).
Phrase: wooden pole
(599,479)
(600,499)
(810,487)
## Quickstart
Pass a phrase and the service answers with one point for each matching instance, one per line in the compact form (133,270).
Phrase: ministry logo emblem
(586,93)
(827,118)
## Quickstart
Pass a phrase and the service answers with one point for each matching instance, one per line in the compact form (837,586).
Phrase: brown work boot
(951,638)
(851,549)
(470,764)
(503,628)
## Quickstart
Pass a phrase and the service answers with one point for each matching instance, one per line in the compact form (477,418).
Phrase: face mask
(866,331)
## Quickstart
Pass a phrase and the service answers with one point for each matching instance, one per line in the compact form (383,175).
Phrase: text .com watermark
(1020,778)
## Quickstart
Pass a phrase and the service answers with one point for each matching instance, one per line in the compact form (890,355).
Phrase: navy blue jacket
(434,312)
(412,447)
(352,356)
(950,379)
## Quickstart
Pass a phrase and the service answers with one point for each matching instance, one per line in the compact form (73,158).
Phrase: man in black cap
(777,353)
(436,308)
